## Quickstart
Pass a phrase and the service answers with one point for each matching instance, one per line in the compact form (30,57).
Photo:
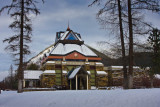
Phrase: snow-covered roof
(74,72)
(64,62)
(64,35)
(117,66)
(86,62)
(49,72)
(121,67)
(99,63)
(37,59)
(64,72)
(101,73)
(50,62)
(32,74)
(136,67)
(61,49)
(79,38)
(89,72)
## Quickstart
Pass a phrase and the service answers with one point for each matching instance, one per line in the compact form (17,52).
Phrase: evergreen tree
(32,66)
(154,40)
(20,10)
(11,77)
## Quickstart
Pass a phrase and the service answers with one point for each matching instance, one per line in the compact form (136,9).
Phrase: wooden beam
(87,82)
(76,83)
(70,85)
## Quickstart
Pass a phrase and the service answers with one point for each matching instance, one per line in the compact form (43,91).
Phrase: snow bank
(157,76)
(91,98)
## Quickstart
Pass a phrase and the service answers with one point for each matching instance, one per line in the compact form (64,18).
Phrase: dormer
(69,37)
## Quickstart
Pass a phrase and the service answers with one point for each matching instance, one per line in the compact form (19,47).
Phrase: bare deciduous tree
(111,14)
(128,17)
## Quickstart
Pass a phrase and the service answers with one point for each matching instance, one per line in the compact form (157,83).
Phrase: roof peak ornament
(68,29)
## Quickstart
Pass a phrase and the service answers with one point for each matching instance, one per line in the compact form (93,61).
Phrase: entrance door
(82,82)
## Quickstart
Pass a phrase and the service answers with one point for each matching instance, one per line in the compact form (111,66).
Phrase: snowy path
(92,98)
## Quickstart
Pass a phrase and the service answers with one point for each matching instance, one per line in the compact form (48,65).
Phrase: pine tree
(154,40)
(11,76)
(20,10)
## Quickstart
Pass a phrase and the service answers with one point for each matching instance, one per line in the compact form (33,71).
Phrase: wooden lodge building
(69,63)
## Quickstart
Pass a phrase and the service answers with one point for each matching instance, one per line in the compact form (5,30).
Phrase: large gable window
(71,37)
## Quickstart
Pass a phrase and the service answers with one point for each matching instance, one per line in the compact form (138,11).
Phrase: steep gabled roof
(38,58)
(73,73)
(63,49)
(66,42)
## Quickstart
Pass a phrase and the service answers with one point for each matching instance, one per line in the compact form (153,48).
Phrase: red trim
(61,57)
(75,55)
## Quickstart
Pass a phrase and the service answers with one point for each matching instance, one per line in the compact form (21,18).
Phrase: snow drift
(91,98)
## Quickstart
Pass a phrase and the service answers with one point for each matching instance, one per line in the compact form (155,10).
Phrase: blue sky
(53,18)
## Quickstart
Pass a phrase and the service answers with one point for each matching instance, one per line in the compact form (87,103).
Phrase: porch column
(76,83)
(87,82)
(70,85)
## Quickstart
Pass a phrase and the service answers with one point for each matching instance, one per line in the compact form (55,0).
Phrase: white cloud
(5,21)
(3,75)
(54,17)
(153,18)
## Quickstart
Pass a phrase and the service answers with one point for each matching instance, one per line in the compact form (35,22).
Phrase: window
(58,66)
(58,35)
(71,37)
(92,67)
(79,35)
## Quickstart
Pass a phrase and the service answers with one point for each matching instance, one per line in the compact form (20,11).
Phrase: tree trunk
(151,80)
(125,80)
(130,76)
(20,70)
(20,90)
(11,77)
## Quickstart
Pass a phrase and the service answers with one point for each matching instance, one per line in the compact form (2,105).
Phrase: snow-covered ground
(91,98)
